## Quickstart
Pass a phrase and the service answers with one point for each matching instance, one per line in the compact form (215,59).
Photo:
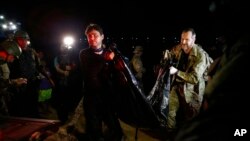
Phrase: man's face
(63,50)
(23,43)
(95,39)
(187,41)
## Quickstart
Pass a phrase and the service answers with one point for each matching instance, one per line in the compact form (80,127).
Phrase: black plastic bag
(158,96)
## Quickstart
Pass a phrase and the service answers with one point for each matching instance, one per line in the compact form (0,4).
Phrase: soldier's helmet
(11,47)
(21,34)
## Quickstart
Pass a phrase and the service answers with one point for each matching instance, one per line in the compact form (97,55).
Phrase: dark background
(154,24)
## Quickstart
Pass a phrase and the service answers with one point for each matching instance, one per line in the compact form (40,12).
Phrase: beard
(186,48)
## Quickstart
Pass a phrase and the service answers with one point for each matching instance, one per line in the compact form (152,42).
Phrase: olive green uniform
(188,85)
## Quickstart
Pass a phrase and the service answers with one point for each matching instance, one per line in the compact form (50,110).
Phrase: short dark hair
(189,29)
(93,26)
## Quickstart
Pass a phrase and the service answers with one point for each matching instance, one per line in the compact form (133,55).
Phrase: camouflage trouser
(190,104)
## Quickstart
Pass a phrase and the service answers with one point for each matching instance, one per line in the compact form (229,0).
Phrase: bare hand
(20,81)
(109,56)
(166,54)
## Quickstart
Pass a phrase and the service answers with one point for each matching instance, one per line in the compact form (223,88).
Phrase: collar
(97,51)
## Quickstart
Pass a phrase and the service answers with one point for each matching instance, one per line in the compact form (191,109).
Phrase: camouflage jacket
(193,72)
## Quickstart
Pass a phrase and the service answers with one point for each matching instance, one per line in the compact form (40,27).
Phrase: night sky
(116,17)
(48,21)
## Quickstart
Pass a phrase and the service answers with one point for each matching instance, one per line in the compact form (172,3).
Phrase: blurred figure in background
(46,91)
(25,102)
(65,68)
(136,65)
(9,51)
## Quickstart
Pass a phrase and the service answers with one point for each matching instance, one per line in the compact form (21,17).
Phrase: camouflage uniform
(11,49)
(4,83)
(188,86)
(25,101)
(136,65)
